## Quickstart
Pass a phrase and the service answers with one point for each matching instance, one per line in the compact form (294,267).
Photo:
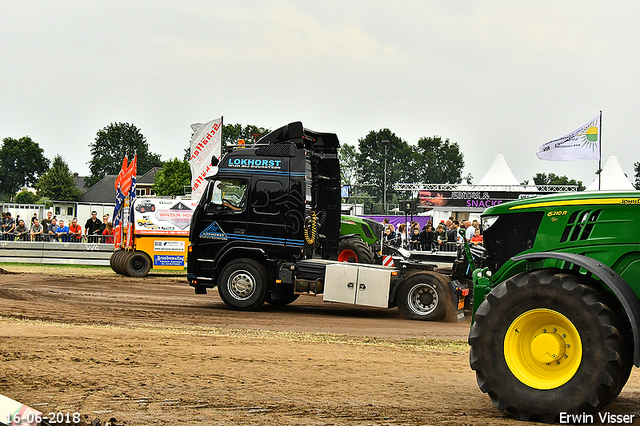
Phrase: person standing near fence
(8,227)
(75,230)
(441,236)
(108,233)
(21,231)
(402,235)
(62,232)
(36,230)
(46,222)
(93,228)
(414,240)
(427,238)
(51,229)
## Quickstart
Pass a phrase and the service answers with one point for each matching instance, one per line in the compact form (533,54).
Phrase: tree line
(430,160)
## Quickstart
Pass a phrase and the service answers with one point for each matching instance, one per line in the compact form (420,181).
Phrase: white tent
(499,174)
(612,177)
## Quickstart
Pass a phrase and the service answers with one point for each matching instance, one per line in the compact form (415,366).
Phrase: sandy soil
(151,352)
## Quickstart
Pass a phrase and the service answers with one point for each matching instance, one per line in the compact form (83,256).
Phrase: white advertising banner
(205,143)
(160,216)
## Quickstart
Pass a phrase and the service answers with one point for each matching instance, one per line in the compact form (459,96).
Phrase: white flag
(205,143)
(583,143)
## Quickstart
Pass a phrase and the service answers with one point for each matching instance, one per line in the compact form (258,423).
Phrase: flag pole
(600,154)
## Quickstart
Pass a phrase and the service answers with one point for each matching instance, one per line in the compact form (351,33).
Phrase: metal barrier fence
(54,252)
(105,239)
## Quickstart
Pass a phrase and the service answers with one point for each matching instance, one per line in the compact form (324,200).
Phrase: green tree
(636,169)
(22,161)
(231,133)
(553,179)
(371,158)
(57,183)
(348,157)
(26,197)
(437,161)
(111,145)
(173,177)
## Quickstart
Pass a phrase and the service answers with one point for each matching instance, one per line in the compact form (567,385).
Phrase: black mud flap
(459,293)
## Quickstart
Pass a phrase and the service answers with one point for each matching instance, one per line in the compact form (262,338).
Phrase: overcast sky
(497,77)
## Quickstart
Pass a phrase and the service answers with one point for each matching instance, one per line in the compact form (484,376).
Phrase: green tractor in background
(359,239)
(556,325)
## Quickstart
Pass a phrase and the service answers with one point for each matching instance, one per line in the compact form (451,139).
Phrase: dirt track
(149,351)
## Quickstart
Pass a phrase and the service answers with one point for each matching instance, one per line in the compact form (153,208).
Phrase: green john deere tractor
(556,325)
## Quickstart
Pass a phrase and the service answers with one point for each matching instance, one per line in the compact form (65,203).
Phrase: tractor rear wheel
(353,249)
(546,342)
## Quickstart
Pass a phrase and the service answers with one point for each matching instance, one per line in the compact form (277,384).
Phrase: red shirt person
(75,230)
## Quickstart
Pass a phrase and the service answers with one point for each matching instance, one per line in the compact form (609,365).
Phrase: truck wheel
(546,342)
(354,249)
(137,264)
(423,296)
(242,285)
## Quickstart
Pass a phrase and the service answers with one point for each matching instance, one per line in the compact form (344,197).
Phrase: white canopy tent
(612,178)
(499,173)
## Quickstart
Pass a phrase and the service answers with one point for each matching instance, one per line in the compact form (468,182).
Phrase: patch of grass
(88,271)
(31,266)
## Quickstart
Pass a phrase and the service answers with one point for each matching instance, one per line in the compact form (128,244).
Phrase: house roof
(79,181)
(149,177)
(101,192)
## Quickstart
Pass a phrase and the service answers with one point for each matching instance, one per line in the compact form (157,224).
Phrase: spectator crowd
(52,229)
(440,238)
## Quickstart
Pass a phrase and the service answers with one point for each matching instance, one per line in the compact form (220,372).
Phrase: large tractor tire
(546,342)
(242,284)
(116,261)
(353,249)
(137,264)
(424,296)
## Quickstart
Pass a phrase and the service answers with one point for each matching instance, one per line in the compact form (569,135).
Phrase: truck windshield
(228,194)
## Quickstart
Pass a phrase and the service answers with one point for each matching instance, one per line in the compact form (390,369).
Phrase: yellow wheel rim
(543,349)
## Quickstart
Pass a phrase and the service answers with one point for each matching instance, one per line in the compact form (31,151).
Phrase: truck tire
(424,296)
(354,249)
(243,284)
(137,264)
(546,342)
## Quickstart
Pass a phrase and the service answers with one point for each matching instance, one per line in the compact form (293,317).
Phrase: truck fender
(244,251)
(612,280)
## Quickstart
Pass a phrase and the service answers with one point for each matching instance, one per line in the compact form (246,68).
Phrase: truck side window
(269,197)
(228,194)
